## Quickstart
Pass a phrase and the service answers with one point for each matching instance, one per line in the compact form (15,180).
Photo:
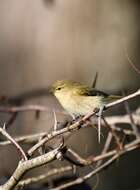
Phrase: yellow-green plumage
(80,99)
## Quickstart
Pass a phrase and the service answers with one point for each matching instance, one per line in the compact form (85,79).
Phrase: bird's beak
(52,90)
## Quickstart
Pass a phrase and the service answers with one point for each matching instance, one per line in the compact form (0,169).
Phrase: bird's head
(62,87)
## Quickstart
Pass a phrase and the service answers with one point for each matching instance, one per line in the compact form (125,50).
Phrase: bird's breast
(79,105)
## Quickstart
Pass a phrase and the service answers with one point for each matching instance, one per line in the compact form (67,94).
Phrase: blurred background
(46,40)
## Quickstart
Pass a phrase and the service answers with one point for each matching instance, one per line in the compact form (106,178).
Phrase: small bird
(78,99)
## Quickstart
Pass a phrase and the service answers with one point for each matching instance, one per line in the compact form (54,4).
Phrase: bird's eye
(58,88)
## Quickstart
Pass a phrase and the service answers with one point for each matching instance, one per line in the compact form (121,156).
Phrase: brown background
(42,41)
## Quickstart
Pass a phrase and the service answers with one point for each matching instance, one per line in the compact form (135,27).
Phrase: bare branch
(45,176)
(133,95)
(130,61)
(80,180)
(27,165)
(25,139)
(106,147)
(134,127)
(18,147)
(93,159)
(25,108)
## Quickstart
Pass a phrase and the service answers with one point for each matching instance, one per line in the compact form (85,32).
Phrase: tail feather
(113,97)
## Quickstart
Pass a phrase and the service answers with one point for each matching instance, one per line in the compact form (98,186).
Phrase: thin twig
(134,127)
(18,147)
(125,131)
(25,108)
(93,159)
(130,61)
(11,119)
(45,176)
(25,139)
(133,95)
(80,161)
(113,133)
(106,147)
(124,119)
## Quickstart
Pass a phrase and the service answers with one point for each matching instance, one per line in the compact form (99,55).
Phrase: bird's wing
(88,91)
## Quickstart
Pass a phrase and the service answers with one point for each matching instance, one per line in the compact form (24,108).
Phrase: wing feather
(88,91)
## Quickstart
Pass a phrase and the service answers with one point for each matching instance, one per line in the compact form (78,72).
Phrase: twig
(45,176)
(130,61)
(106,147)
(113,133)
(124,119)
(25,108)
(12,119)
(25,139)
(125,131)
(80,161)
(134,127)
(133,95)
(129,147)
(18,147)
(93,159)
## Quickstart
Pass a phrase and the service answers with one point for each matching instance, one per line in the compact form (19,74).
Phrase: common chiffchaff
(78,99)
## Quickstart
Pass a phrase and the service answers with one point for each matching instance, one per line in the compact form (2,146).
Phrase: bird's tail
(112,98)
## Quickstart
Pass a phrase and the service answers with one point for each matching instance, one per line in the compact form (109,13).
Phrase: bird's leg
(75,118)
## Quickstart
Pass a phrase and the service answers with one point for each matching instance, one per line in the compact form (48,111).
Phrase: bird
(79,99)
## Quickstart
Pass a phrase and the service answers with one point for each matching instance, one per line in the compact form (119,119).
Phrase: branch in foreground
(80,180)
(86,177)
(27,165)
